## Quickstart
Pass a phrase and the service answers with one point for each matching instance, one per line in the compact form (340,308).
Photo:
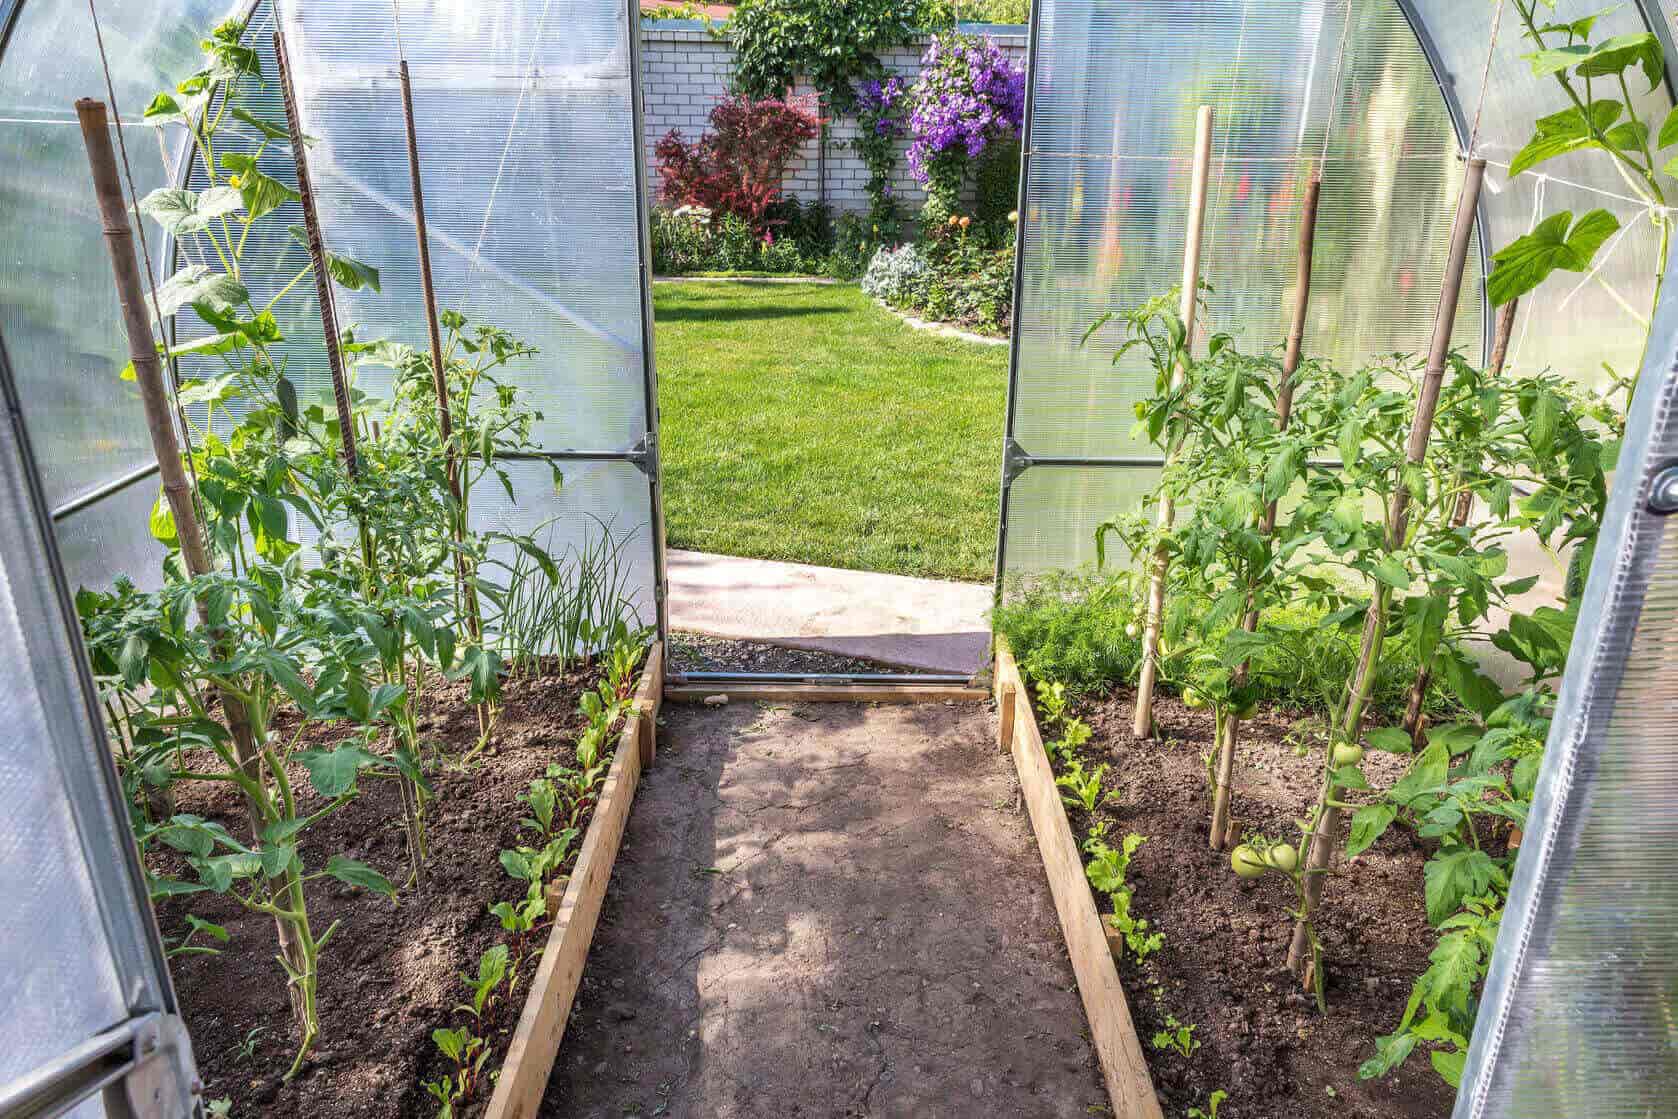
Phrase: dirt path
(827,910)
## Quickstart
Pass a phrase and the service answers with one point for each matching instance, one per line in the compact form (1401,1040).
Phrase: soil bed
(1222,966)
(391,972)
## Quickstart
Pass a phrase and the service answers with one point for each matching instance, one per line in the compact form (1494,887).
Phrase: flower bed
(951,280)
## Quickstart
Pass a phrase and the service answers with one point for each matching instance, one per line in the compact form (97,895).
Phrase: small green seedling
(1176,1037)
(1212,1104)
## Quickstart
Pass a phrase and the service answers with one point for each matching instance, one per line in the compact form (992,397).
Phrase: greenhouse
(1321,759)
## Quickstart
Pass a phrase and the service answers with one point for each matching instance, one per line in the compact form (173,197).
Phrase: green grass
(801,422)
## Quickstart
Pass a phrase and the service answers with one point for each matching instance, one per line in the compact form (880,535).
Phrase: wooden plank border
(1123,1065)
(535,1046)
(827,693)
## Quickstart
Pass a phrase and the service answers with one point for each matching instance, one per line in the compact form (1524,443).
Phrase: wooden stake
(1218,835)
(1326,823)
(439,379)
(1414,723)
(156,402)
(317,254)
(439,375)
(1143,726)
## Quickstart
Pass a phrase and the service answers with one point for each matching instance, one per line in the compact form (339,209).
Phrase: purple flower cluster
(879,101)
(969,94)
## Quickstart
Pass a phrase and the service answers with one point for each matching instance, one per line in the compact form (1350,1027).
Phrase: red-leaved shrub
(736,168)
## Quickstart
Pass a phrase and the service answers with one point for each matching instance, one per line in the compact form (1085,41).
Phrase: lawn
(802,422)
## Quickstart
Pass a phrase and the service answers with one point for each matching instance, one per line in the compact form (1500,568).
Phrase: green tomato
(1347,753)
(1246,862)
(1283,857)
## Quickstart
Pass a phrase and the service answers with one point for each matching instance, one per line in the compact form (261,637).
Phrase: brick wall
(684,71)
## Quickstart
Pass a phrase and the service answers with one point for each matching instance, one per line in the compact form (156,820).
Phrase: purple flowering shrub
(881,104)
(970,95)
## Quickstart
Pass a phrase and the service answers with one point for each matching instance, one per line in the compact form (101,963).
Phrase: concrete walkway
(923,625)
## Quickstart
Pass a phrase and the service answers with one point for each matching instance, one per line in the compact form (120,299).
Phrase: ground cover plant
(780,443)
(263,696)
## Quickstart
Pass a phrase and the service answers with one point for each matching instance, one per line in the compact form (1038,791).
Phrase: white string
(1228,133)
(1532,223)
(1485,81)
(396,26)
(1334,87)
(512,129)
(1607,255)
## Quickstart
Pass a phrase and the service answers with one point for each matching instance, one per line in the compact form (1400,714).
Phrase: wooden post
(1006,693)
(1414,723)
(1326,823)
(317,254)
(155,400)
(1219,834)
(1143,727)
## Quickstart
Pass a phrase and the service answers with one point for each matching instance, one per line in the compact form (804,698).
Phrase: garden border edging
(941,329)
(1112,1031)
(535,1046)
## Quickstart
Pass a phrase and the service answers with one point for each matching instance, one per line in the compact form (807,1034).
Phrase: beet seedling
(492,971)
(468,1052)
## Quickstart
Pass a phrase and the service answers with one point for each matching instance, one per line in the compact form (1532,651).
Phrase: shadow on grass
(734,313)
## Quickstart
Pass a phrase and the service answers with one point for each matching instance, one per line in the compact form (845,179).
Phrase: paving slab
(924,625)
(826,910)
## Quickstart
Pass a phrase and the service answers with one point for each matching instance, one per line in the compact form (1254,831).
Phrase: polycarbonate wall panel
(1572,323)
(79,948)
(111,537)
(1115,92)
(598,497)
(58,310)
(527,139)
(1053,512)
(1578,1010)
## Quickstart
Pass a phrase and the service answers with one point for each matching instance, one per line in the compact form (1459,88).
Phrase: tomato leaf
(357,873)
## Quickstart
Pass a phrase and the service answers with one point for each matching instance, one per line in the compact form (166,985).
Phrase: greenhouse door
(91,1024)
(528,123)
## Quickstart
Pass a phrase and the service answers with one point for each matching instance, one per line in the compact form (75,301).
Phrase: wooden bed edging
(535,1045)
(1129,1087)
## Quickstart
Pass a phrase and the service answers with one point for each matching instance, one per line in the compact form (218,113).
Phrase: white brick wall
(684,71)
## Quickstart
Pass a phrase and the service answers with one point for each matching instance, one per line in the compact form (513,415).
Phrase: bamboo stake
(1325,826)
(1218,835)
(1414,723)
(156,402)
(317,254)
(1143,726)
(439,375)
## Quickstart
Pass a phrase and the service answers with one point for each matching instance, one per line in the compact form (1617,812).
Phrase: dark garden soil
(1222,966)
(825,910)
(390,975)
